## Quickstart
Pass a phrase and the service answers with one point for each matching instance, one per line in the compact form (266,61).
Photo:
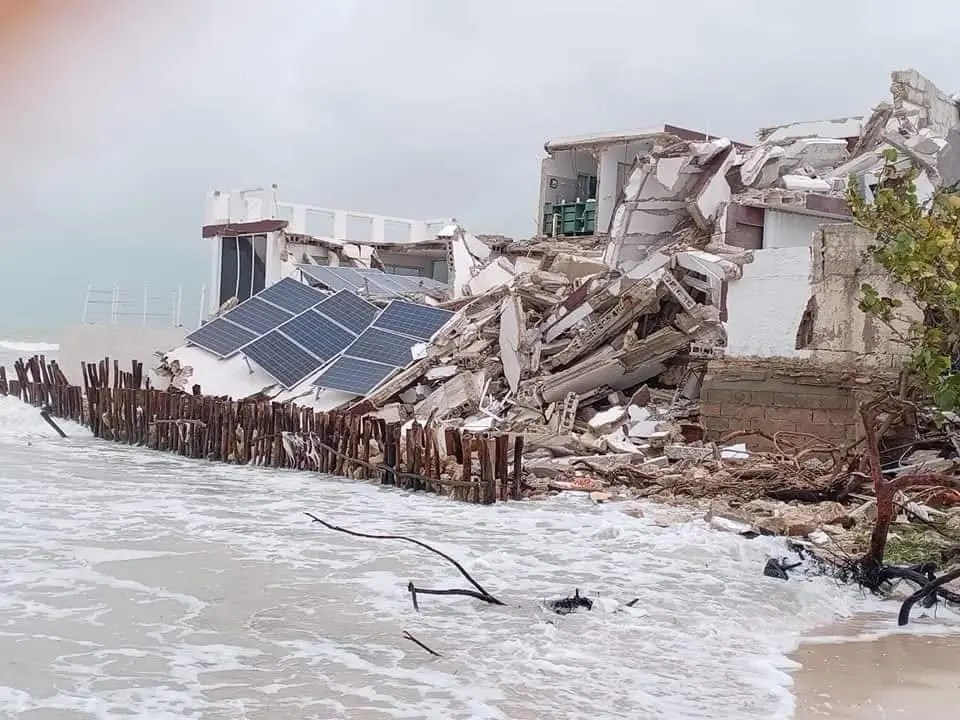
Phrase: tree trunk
(886,512)
(883,492)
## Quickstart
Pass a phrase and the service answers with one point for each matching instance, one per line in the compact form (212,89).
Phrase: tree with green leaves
(918,244)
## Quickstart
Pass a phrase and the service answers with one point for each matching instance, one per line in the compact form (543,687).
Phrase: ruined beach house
(679,286)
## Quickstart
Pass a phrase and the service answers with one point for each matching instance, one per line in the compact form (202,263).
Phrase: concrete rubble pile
(595,349)
(550,333)
(581,358)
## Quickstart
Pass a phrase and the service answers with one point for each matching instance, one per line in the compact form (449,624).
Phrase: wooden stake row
(471,467)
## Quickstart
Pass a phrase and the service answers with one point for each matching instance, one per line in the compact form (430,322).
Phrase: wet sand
(898,676)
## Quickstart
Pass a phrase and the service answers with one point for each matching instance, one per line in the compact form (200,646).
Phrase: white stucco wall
(608,189)
(607,185)
(766,305)
(125,343)
(789,229)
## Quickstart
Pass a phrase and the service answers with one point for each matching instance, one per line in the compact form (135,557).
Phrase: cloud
(123,113)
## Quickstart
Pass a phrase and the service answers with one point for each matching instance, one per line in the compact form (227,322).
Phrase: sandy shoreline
(906,673)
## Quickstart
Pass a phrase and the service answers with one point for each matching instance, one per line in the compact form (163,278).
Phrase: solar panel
(419,321)
(390,285)
(257,316)
(382,347)
(292,295)
(369,280)
(221,337)
(354,376)
(324,275)
(419,283)
(318,334)
(281,358)
(351,311)
(349,275)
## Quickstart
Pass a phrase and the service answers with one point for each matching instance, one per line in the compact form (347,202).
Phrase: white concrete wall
(424,263)
(608,190)
(789,229)
(765,306)
(935,108)
(92,343)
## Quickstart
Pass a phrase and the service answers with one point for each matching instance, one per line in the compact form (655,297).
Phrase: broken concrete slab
(512,327)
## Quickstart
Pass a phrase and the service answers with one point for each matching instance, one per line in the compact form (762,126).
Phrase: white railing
(357,227)
(115,306)
(327,223)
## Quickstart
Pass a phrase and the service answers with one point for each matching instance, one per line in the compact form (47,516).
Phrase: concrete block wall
(781,395)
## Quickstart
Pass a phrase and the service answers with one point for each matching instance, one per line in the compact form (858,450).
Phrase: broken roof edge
(602,138)
(673,133)
(840,128)
(437,241)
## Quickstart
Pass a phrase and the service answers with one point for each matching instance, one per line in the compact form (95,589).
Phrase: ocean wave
(96,534)
(28,347)
(22,422)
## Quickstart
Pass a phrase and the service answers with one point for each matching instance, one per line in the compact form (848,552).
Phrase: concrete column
(607,160)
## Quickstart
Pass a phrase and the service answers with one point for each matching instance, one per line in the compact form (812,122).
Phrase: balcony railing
(327,223)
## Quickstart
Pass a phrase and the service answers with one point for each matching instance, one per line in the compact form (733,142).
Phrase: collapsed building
(681,286)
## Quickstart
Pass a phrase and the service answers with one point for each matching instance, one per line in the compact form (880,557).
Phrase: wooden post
(366,436)
(488,468)
(500,443)
(428,434)
(390,456)
(518,467)
(464,442)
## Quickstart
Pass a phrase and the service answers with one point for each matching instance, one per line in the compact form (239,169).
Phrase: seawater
(137,584)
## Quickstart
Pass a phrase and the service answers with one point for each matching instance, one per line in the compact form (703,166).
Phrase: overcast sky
(119,115)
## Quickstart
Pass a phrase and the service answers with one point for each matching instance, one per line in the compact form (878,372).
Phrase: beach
(143,584)
(856,674)
(136,583)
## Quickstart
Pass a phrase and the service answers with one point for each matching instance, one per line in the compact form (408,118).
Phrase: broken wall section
(787,397)
(802,302)
(837,330)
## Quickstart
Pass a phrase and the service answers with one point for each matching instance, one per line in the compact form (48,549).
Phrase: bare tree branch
(483,594)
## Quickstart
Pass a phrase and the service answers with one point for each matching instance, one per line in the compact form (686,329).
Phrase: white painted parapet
(240,206)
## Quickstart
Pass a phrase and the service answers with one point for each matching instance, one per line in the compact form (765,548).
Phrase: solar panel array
(292,330)
(383,348)
(243,324)
(369,282)
(299,347)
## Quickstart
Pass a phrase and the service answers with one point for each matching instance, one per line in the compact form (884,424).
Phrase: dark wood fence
(120,406)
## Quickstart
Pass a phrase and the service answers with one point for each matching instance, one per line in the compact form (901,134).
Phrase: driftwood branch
(927,590)
(411,638)
(414,591)
(482,593)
